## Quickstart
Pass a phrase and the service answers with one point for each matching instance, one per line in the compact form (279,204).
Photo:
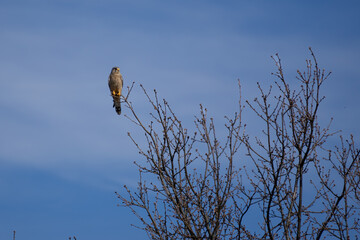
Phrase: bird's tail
(117,105)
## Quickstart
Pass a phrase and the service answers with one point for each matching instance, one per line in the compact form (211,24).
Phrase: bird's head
(115,70)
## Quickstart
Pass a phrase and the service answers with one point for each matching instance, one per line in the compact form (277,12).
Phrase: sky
(63,149)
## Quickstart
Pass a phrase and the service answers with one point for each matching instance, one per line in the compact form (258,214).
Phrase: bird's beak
(118,69)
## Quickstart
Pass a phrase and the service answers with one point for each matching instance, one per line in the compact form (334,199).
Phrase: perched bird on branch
(116,85)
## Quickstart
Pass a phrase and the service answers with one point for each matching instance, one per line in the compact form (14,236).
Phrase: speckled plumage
(115,85)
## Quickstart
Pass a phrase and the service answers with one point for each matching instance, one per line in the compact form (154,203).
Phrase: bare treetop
(193,186)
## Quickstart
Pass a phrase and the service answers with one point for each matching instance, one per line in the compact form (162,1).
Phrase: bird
(115,85)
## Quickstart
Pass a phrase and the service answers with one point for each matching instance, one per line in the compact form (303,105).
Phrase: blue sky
(63,149)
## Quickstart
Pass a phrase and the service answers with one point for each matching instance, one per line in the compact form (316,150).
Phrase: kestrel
(116,85)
